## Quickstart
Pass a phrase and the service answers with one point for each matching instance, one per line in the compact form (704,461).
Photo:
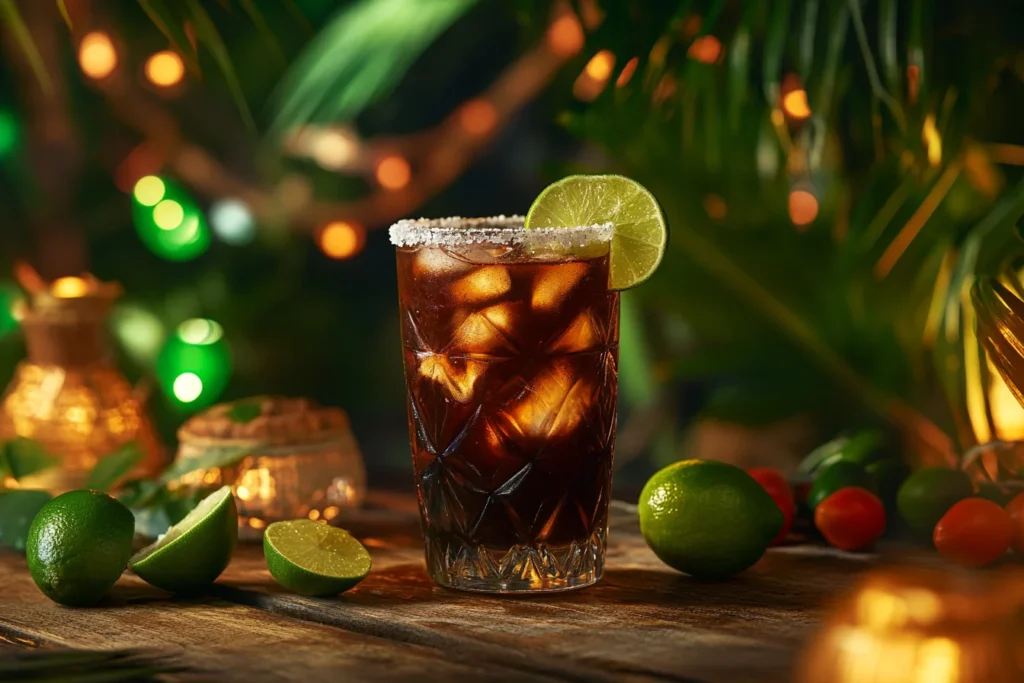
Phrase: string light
(8,132)
(165,69)
(565,35)
(139,331)
(168,214)
(149,190)
(9,299)
(194,365)
(627,72)
(69,287)
(795,104)
(803,207)
(393,172)
(340,239)
(595,75)
(478,117)
(168,220)
(334,149)
(705,49)
(97,56)
(932,140)
(187,387)
(232,221)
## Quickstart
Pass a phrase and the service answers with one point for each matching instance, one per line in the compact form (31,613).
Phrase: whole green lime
(706,518)
(927,495)
(837,476)
(890,475)
(78,545)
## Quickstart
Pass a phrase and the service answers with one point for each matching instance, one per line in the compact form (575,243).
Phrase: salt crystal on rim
(496,230)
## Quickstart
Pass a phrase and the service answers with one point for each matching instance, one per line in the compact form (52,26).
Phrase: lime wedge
(196,550)
(314,559)
(641,232)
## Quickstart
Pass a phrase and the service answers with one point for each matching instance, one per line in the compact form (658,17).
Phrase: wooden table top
(641,622)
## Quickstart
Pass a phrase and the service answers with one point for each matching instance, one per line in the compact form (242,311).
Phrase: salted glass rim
(457,231)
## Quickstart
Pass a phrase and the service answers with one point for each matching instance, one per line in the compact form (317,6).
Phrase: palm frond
(10,15)
(207,32)
(359,57)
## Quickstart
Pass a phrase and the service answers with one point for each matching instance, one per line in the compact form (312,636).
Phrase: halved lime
(309,558)
(641,232)
(196,550)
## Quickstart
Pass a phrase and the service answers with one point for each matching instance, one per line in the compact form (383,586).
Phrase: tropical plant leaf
(10,15)
(260,22)
(887,44)
(359,57)
(775,42)
(26,456)
(112,468)
(62,6)
(172,28)
(805,47)
(208,34)
(17,510)
(210,460)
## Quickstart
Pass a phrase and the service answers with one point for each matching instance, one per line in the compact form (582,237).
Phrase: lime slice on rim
(309,558)
(641,232)
(196,550)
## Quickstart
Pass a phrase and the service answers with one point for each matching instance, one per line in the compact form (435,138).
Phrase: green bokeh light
(168,220)
(9,132)
(194,365)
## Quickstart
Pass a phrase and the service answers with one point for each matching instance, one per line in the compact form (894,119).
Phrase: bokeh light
(594,77)
(393,172)
(795,104)
(335,149)
(627,72)
(141,162)
(340,239)
(69,287)
(9,133)
(565,35)
(10,296)
(168,214)
(149,190)
(200,331)
(232,221)
(803,207)
(165,69)
(932,140)
(139,332)
(705,49)
(478,117)
(187,387)
(97,56)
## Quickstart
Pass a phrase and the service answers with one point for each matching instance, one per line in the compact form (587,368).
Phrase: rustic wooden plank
(227,641)
(644,621)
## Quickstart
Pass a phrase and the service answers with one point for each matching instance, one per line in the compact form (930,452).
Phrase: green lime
(928,494)
(641,232)
(196,550)
(707,518)
(890,475)
(314,559)
(861,448)
(839,476)
(78,545)
(1000,494)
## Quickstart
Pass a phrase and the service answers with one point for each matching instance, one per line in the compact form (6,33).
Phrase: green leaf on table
(17,510)
(210,460)
(140,493)
(243,413)
(111,468)
(26,456)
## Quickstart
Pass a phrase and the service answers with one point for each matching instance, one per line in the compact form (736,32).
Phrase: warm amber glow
(340,239)
(70,287)
(165,69)
(478,117)
(97,56)
(314,515)
(627,72)
(913,81)
(1007,413)
(600,65)
(706,49)
(932,140)
(795,104)
(393,172)
(938,661)
(565,35)
(803,207)
(715,207)
(335,149)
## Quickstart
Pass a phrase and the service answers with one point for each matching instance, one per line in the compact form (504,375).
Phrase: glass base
(521,570)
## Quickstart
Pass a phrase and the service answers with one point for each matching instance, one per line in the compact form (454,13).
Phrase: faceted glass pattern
(511,369)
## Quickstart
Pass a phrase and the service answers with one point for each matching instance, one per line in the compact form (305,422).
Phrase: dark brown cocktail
(510,342)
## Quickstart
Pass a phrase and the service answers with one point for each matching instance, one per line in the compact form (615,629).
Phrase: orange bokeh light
(705,49)
(165,69)
(565,35)
(341,239)
(393,172)
(600,66)
(795,104)
(478,117)
(69,287)
(627,72)
(803,207)
(97,56)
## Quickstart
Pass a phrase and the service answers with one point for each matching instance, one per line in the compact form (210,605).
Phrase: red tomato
(973,533)
(852,518)
(774,482)
(1015,508)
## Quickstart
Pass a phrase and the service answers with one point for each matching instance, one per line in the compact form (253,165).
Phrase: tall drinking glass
(510,340)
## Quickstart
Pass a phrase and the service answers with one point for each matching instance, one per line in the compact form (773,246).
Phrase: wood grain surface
(642,622)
